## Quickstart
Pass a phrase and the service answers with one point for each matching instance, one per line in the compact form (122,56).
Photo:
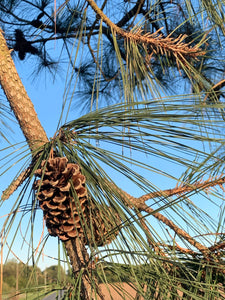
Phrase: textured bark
(35,135)
(79,260)
(18,99)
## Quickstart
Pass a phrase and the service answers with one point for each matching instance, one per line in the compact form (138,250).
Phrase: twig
(150,240)
(139,203)
(215,90)
(175,228)
(183,189)
(217,246)
(180,249)
(155,42)
(15,184)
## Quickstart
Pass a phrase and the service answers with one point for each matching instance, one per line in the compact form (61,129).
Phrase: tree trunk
(36,137)
(79,261)
(18,99)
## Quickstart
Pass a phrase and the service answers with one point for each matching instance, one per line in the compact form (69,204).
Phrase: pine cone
(62,213)
(65,216)
(104,225)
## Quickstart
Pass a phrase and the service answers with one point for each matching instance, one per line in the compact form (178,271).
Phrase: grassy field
(25,296)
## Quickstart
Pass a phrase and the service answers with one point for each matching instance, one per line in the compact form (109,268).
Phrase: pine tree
(134,52)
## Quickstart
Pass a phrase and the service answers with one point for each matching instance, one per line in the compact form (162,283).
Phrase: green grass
(27,296)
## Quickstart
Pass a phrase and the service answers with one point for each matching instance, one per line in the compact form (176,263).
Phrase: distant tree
(10,273)
(52,274)
(13,271)
(160,62)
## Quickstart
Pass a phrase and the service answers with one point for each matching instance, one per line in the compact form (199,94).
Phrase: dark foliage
(23,46)
(36,27)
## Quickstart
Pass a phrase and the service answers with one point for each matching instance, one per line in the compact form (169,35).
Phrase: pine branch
(15,184)
(150,239)
(180,249)
(180,232)
(184,189)
(154,43)
(135,202)
(139,203)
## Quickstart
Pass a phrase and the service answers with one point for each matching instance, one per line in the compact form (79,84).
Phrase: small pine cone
(62,214)
(105,225)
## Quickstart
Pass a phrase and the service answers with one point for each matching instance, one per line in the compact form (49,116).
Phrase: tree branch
(130,14)
(184,189)
(155,42)
(19,100)
(139,203)
(14,185)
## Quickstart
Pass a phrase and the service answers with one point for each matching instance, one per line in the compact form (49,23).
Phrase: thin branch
(180,232)
(180,249)
(132,13)
(15,184)
(215,89)
(90,34)
(155,42)
(218,246)
(139,203)
(183,189)
(150,240)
